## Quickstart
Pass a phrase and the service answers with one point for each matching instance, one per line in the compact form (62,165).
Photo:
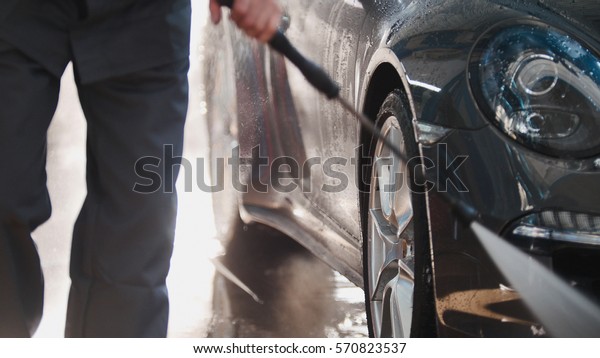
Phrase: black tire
(423,307)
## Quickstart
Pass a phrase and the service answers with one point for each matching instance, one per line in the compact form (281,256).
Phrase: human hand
(258,18)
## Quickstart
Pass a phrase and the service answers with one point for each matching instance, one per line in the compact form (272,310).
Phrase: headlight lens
(542,88)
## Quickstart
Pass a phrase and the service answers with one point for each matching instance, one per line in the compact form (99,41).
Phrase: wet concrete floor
(301,296)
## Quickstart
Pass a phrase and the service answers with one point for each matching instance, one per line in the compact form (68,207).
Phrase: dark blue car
(499,101)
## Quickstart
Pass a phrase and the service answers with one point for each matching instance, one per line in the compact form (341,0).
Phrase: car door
(327,32)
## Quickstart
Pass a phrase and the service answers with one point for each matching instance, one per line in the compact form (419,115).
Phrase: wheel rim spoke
(403,294)
(387,232)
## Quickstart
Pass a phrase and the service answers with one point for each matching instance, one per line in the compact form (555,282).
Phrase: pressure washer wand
(563,310)
(320,80)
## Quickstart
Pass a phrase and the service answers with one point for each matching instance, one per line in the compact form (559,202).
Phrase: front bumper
(548,207)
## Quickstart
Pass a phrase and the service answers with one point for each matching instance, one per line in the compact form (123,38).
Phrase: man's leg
(123,239)
(28,98)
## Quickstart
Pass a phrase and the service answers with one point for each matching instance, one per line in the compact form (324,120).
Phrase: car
(493,103)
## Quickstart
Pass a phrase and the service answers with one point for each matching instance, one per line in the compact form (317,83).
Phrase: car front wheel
(397,263)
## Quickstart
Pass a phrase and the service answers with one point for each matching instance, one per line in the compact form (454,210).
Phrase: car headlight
(541,87)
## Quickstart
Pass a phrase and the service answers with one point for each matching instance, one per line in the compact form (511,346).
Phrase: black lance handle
(311,71)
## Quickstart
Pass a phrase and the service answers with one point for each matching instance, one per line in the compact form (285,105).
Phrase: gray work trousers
(123,239)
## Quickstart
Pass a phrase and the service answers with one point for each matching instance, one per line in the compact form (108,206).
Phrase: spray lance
(562,310)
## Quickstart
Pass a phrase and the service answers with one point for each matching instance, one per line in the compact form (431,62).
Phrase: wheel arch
(384,80)
(385,73)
